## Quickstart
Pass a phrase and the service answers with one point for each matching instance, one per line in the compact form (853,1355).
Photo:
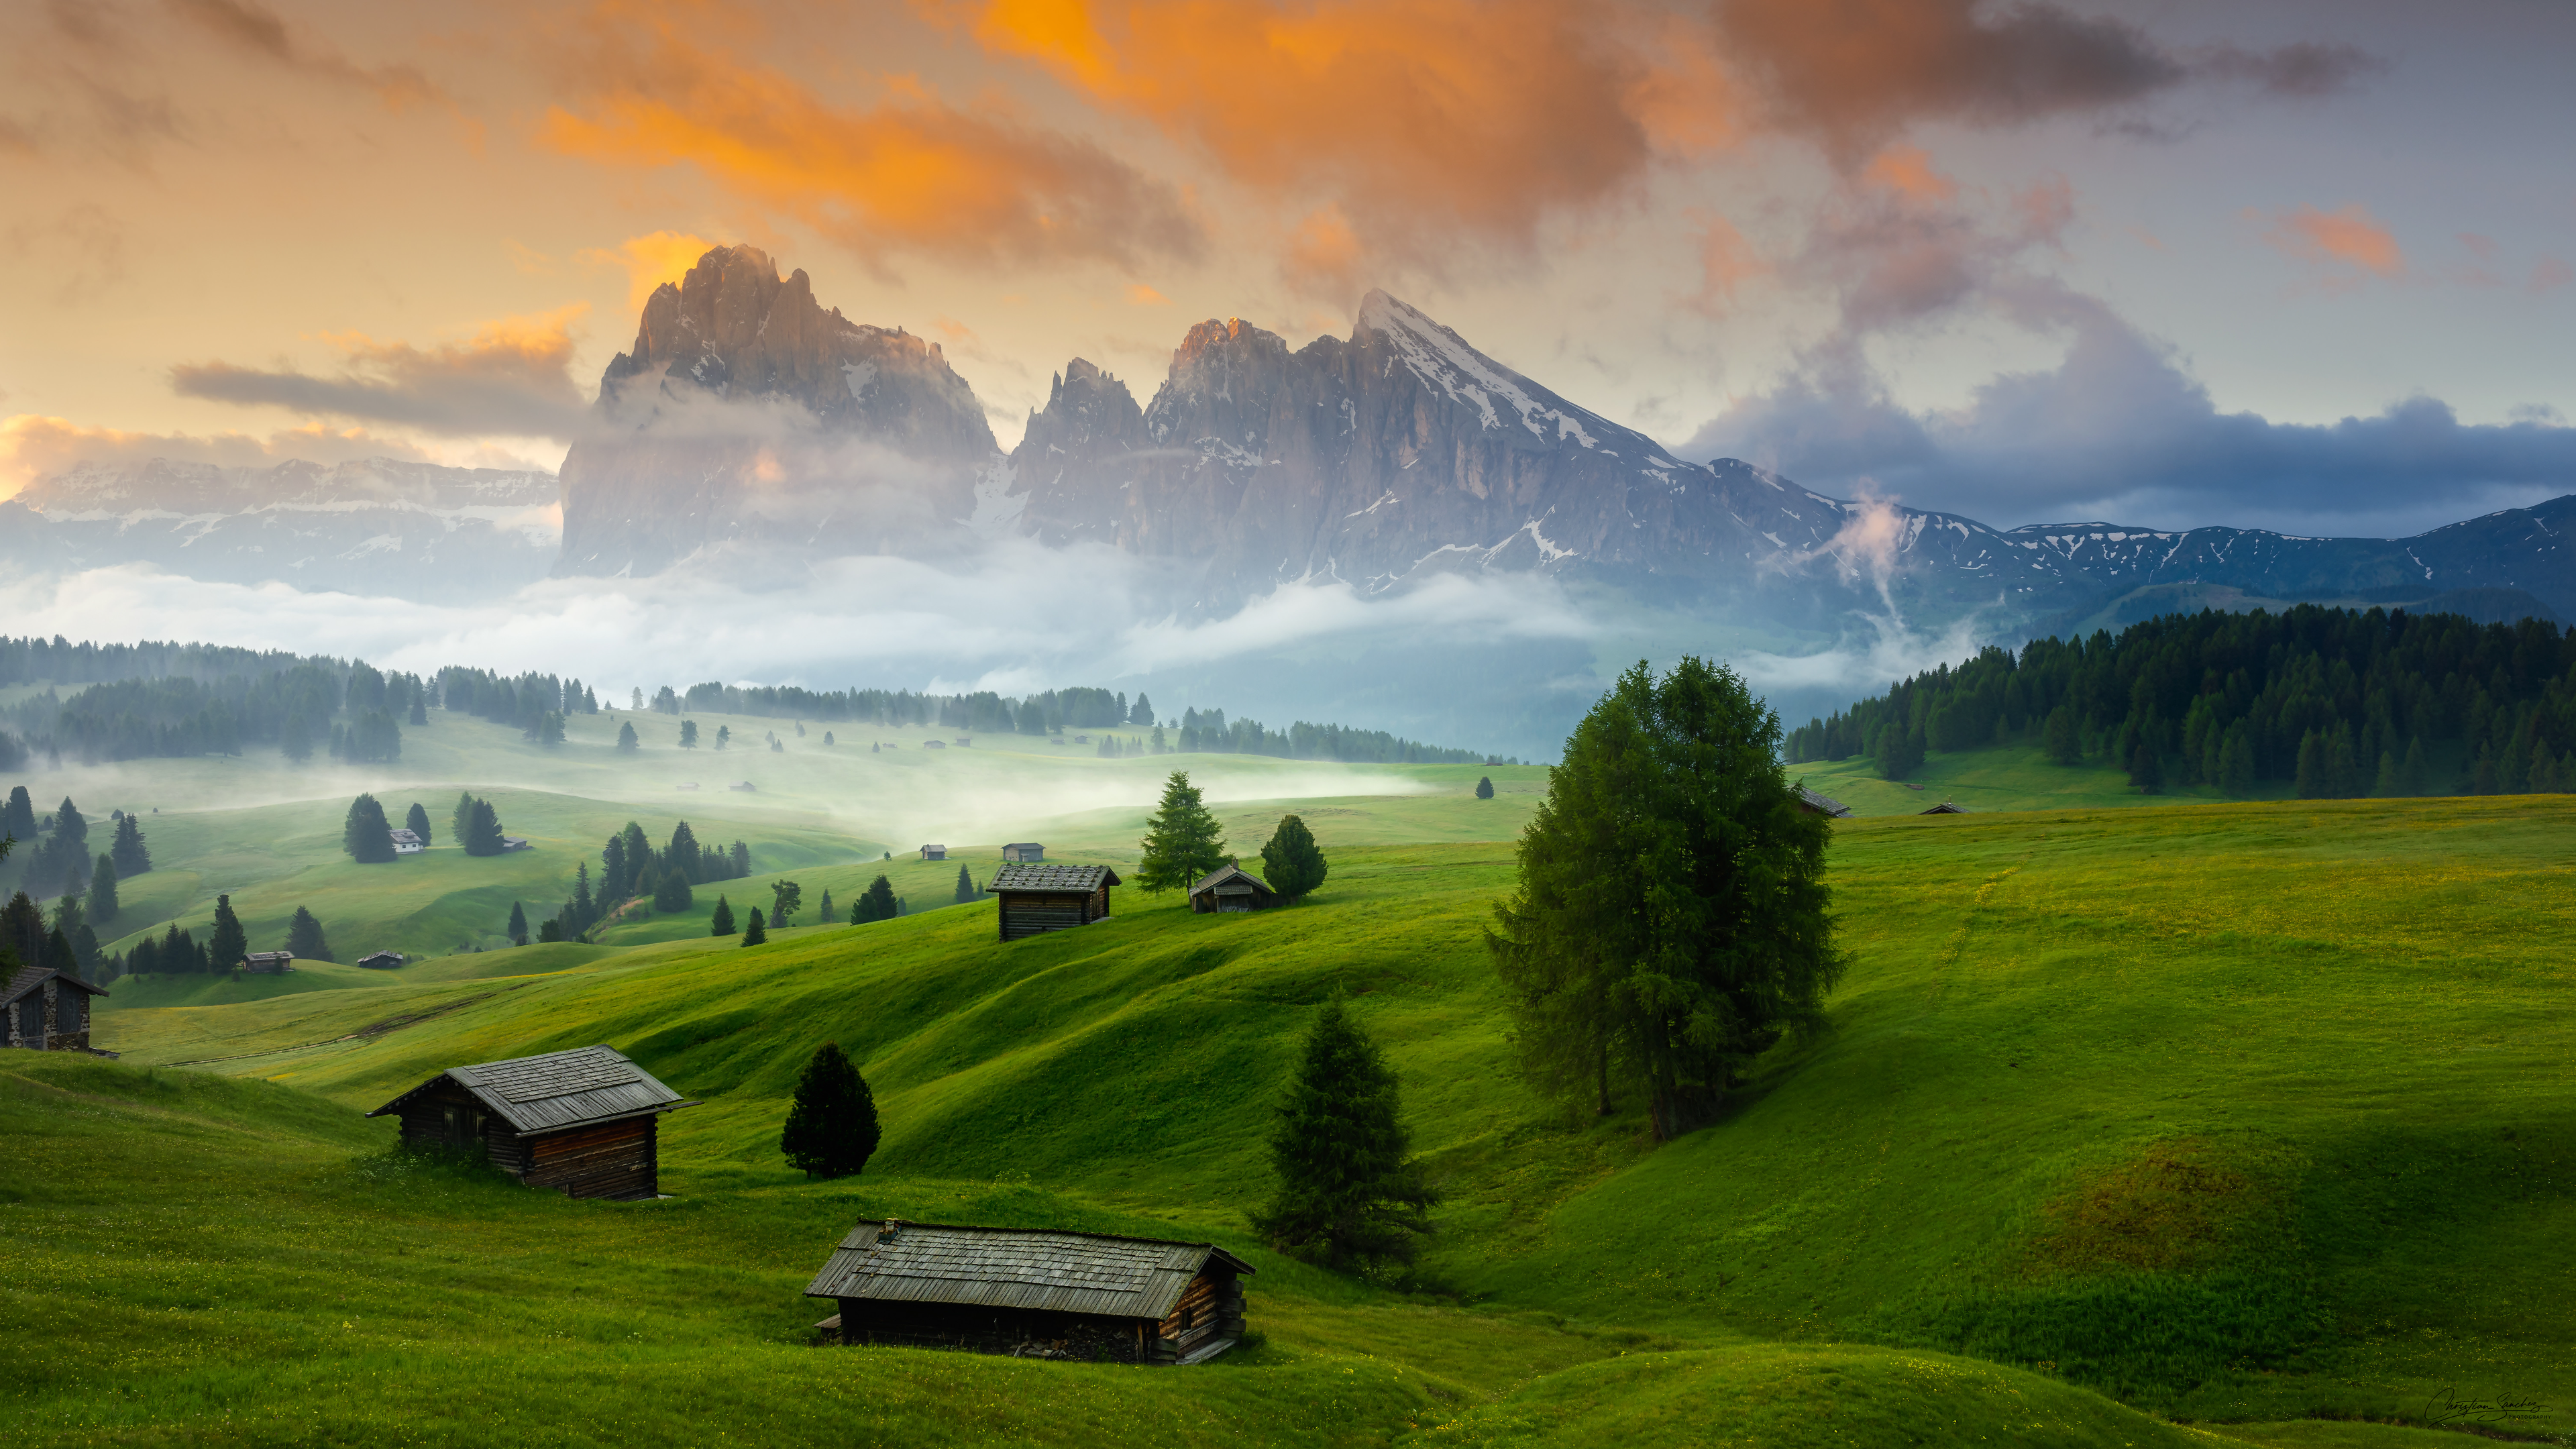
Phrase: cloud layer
(512,378)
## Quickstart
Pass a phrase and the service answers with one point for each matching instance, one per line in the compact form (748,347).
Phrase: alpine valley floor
(2170,1124)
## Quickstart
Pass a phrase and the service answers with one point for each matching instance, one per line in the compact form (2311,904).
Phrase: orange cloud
(2344,243)
(1140,295)
(1907,171)
(512,378)
(1421,119)
(1727,261)
(911,173)
(1324,257)
(650,260)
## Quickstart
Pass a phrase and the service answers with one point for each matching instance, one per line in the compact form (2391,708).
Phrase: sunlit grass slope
(2235,1112)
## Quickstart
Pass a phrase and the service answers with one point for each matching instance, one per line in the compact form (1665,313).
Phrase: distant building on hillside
(586,1121)
(44,1010)
(382,960)
(1232,890)
(268,963)
(1025,850)
(1040,898)
(408,842)
(934,852)
(1945,808)
(932,745)
(515,842)
(1033,1293)
(1826,805)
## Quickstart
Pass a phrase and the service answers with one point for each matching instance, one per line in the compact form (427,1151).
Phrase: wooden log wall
(1023,1332)
(614,1159)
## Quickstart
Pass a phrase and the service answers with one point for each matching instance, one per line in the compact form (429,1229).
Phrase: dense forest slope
(2341,703)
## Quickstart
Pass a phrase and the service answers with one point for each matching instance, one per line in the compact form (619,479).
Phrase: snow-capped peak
(1445,362)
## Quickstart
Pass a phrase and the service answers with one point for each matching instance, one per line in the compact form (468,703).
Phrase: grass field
(2184,1123)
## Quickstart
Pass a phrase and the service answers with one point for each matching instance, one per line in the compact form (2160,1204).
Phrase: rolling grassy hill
(2253,1116)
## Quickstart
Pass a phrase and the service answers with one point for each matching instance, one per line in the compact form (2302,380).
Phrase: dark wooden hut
(1944,808)
(1025,851)
(268,963)
(1232,889)
(382,960)
(1815,803)
(44,1010)
(1038,898)
(586,1121)
(1034,1293)
(934,852)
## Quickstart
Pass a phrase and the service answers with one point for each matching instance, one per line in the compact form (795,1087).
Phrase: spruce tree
(70,826)
(2314,781)
(461,817)
(755,930)
(1291,863)
(416,820)
(228,943)
(875,904)
(2147,769)
(366,836)
(1182,839)
(483,830)
(965,885)
(132,858)
(102,890)
(831,1128)
(2236,763)
(304,936)
(688,734)
(823,912)
(722,925)
(672,896)
(1349,1194)
(18,817)
(517,929)
(2387,786)
(2416,775)
(626,741)
(2058,738)
(295,741)
(1484,787)
(682,853)
(786,897)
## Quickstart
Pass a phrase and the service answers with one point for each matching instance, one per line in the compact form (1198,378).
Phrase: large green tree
(1670,917)
(876,903)
(672,895)
(102,890)
(1349,1192)
(482,833)
(722,923)
(229,943)
(1291,862)
(132,857)
(831,1127)
(365,835)
(416,820)
(1182,840)
(304,938)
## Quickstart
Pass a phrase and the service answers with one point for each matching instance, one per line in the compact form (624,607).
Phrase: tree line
(2338,702)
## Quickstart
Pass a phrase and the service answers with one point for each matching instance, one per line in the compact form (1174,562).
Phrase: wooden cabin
(515,842)
(1040,898)
(1026,851)
(1230,890)
(44,1010)
(268,963)
(382,960)
(1814,803)
(1033,1293)
(1944,808)
(934,852)
(586,1121)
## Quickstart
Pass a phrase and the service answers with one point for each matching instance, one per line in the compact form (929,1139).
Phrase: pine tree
(70,826)
(1349,1192)
(755,931)
(585,909)
(102,890)
(366,836)
(688,734)
(2313,781)
(672,896)
(416,820)
(876,903)
(2388,786)
(823,912)
(786,896)
(18,817)
(626,741)
(832,1127)
(1291,863)
(2236,764)
(2415,776)
(517,930)
(965,885)
(2147,769)
(132,858)
(682,853)
(295,741)
(483,830)
(1142,714)
(2058,738)
(1484,787)
(460,818)
(229,943)
(304,936)
(1182,839)
(722,925)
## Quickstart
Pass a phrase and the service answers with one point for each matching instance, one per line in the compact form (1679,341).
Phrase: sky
(2306,266)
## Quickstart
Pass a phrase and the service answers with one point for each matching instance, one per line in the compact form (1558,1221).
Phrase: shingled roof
(1015,1268)
(1081,879)
(28,978)
(558,1090)
(1232,880)
(1823,804)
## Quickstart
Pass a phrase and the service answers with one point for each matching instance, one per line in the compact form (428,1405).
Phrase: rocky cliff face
(749,414)
(410,530)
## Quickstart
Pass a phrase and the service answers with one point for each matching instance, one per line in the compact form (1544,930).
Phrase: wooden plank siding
(612,1159)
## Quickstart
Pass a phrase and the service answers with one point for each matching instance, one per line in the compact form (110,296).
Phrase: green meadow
(2137,1122)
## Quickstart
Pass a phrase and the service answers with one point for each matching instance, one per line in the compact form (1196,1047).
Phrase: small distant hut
(515,842)
(268,963)
(1231,890)
(382,960)
(934,852)
(967,740)
(932,745)
(44,1010)
(1944,808)
(1034,1293)
(586,1121)
(1027,850)
(1814,803)
(408,842)
(1040,898)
